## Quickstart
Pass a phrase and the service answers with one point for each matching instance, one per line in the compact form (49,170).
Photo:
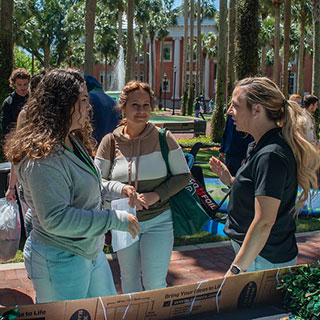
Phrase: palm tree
(199,51)
(247,41)
(191,87)
(6,46)
(130,42)
(316,47)
(185,56)
(217,123)
(91,6)
(231,47)
(276,48)
(286,46)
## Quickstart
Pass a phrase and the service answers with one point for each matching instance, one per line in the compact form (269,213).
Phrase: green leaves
(302,291)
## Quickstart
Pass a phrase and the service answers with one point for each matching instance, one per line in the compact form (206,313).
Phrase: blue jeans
(261,263)
(147,260)
(60,275)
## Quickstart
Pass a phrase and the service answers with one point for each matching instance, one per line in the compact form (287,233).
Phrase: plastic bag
(122,239)
(10,229)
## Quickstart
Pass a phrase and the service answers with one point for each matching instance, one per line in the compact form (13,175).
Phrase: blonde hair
(127,89)
(290,117)
(48,118)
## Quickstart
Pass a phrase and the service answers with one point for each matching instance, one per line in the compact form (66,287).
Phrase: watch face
(235,270)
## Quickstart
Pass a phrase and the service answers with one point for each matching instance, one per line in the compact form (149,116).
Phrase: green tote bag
(187,213)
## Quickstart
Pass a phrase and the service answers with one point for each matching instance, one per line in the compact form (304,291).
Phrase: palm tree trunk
(191,87)
(185,54)
(231,47)
(138,58)
(199,51)
(300,88)
(316,48)
(286,46)
(6,46)
(91,6)
(161,73)
(120,14)
(145,55)
(217,123)
(105,72)
(130,42)
(276,76)
(46,55)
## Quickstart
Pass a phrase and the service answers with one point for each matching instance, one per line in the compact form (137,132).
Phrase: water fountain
(118,78)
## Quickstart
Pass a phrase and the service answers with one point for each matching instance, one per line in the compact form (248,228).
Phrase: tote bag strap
(164,148)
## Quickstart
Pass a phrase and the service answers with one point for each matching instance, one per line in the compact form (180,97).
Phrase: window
(141,76)
(167,51)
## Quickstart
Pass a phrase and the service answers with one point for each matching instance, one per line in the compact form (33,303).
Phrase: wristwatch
(235,269)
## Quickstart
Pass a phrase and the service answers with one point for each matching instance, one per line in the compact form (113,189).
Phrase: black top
(11,107)
(270,170)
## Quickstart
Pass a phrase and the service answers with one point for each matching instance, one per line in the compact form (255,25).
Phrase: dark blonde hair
(49,118)
(129,87)
(20,73)
(290,117)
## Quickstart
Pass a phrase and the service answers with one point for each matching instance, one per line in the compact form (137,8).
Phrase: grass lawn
(304,224)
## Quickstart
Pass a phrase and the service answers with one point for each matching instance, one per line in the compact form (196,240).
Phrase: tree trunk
(161,73)
(6,46)
(276,75)
(120,14)
(145,55)
(152,62)
(91,6)
(231,47)
(191,86)
(247,43)
(138,58)
(199,51)
(217,123)
(130,42)
(185,55)
(300,87)
(316,48)
(46,55)
(286,47)
(105,72)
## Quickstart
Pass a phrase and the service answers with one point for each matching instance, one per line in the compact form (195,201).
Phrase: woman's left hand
(150,198)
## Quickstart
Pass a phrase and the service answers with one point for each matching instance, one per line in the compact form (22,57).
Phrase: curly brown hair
(48,118)
(20,73)
(130,87)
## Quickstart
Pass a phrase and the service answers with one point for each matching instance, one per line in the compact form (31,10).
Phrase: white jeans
(147,260)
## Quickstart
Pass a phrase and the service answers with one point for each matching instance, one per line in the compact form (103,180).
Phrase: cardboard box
(237,292)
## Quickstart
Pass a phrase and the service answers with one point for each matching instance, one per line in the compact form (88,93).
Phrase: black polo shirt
(270,170)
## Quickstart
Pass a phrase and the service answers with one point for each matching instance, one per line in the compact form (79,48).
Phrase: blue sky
(179,2)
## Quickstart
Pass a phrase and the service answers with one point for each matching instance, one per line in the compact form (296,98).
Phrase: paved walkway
(188,264)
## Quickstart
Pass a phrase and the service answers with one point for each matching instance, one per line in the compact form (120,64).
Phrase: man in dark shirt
(12,105)
(234,146)
(105,115)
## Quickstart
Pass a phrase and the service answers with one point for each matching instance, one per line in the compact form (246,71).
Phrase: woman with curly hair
(262,206)
(52,156)
(132,154)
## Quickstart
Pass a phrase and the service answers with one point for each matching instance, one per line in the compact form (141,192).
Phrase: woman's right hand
(133,225)
(11,194)
(221,170)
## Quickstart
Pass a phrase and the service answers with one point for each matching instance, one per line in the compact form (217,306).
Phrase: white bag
(122,239)
(9,229)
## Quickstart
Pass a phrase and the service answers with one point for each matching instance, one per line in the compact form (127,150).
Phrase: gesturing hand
(221,170)
(133,225)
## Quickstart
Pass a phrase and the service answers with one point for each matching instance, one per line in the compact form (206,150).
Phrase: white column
(150,71)
(176,65)
(206,78)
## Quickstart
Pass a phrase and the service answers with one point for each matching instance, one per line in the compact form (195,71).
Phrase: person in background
(12,105)
(234,145)
(211,105)
(105,117)
(296,97)
(310,105)
(132,155)
(262,205)
(13,179)
(52,156)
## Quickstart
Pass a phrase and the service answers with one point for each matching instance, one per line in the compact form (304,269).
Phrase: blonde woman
(262,206)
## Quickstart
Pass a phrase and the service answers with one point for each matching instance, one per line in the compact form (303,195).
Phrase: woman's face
(239,111)
(138,107)
(81,110)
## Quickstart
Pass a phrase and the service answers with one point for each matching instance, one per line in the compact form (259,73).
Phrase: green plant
(302,291)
